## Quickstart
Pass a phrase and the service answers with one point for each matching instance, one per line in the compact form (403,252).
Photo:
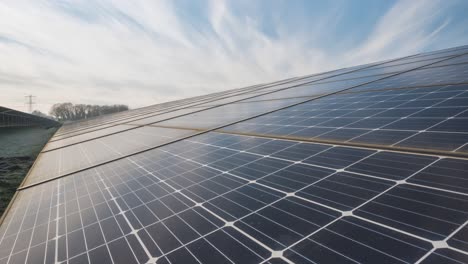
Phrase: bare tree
(69,111)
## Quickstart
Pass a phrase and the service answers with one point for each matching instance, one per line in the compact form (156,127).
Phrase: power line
(29,102)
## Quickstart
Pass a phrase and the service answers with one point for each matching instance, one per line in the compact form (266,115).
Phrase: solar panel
(55,144)
(13,118)
(76,157)
(333,170)
(399,118)
(228,113)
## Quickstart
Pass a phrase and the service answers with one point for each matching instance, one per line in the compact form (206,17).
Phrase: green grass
(19,148)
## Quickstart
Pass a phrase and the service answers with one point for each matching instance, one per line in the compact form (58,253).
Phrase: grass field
(19,148)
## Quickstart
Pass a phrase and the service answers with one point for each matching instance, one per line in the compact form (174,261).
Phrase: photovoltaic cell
(459,240)
(295,177)
(395,166)
(446,255)
(449,174)
(345,191)
(285,222)
(351,240)
(428,213)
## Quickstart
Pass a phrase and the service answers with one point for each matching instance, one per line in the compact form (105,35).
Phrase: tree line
(73,112)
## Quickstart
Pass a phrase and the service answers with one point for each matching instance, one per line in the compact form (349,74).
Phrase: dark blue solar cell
(37,254)
(345,191)
(100,255)
(460,239)
(76,243)
(227,163)
(339,122)
(413,123)
(398,112)
(310,132)
(452,125)
(454,102)
(461,87)
(242,201)
(276,261)
(449,174)
(334,113)
(350,240)
(18,257)
(279,130)
(286,222)
(338,157)
(295,177)
(94,237)
(342,134)
(435,140)
(300,151)
(390,104)
(439,112)
(271,147)
(446,256)
(409,97)
(391,165)
(119,250)
(363,113)
(260,168)
(382,137)
(420,103)
(421,211)
(371,123)
(312,121)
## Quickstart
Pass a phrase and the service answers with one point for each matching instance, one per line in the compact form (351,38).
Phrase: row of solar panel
(407,118)
(118,117)
(246,199)
(13,118)
(402,118)
(315,91)
(402,65)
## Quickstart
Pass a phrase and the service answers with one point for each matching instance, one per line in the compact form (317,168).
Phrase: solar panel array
(13,118)
(366,164)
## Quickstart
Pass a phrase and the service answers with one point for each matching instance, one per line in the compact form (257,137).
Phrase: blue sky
(144,52)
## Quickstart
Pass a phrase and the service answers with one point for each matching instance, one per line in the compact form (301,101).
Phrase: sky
(146,52)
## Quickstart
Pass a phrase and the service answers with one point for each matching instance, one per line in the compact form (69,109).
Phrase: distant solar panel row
(312,172)
(13,118)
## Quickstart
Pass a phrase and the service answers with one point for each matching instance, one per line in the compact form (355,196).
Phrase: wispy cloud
(406,28)
(144,52)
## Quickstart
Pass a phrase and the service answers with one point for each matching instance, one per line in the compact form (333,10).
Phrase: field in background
(19,148)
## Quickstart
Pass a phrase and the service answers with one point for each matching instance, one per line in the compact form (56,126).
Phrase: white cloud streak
(145,52)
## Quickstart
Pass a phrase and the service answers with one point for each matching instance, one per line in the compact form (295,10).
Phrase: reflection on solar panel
(367,164)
